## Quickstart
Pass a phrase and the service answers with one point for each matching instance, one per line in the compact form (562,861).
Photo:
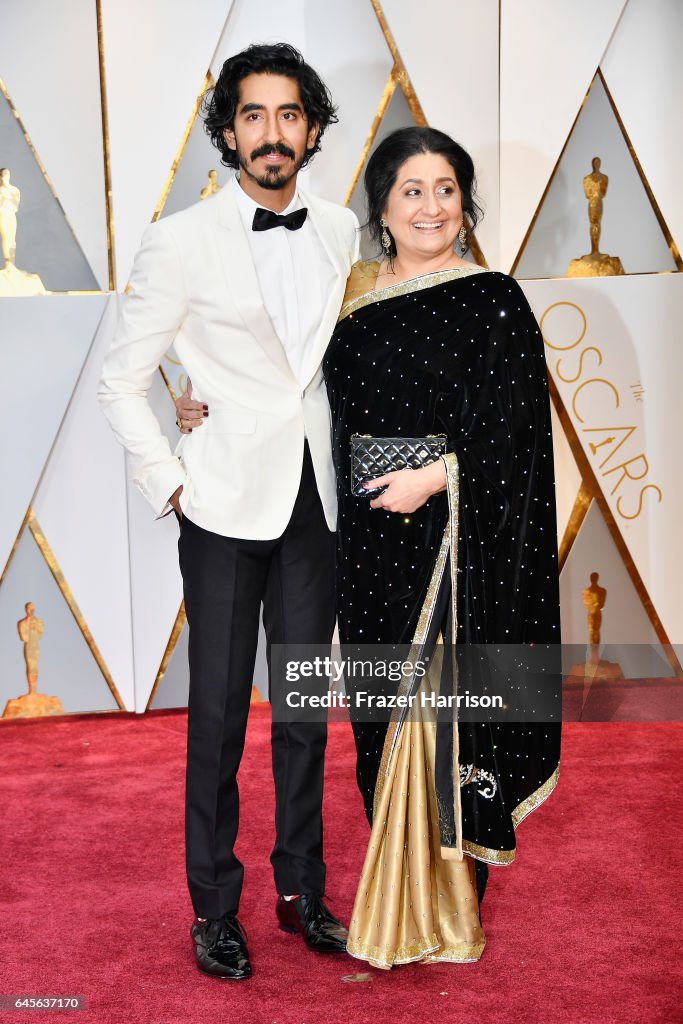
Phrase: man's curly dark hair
(220,103)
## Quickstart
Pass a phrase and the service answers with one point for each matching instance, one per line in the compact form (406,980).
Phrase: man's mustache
(278,147)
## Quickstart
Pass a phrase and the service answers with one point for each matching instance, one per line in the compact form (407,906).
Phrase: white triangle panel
(156,56)
(549,53)
(44,342)
(155,577)
(346,46)
(261,21)
(616,343)
(451,55)
(644,73)
(50,66)
(81,507)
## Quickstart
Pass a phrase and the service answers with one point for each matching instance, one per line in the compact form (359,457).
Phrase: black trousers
(226,581)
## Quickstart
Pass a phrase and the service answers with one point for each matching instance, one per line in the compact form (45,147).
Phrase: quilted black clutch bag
(374,456)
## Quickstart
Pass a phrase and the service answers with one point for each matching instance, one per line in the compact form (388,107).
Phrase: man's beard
(274,178)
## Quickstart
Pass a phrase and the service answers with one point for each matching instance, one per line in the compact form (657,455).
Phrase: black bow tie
(266,219)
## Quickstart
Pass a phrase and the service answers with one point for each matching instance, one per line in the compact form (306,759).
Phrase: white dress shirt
(295,276)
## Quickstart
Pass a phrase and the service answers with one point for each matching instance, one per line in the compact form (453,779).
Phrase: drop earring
(462,238)
(386,237)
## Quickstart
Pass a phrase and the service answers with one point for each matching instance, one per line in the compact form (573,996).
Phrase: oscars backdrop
(569,111)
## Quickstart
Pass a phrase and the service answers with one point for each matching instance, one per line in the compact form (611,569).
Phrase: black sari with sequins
(456,353)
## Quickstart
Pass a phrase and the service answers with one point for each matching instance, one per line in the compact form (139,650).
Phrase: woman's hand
(408,489)
(189,414)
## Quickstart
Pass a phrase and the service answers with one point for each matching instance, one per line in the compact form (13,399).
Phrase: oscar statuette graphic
(32,704)
(594,598)
(212,187)
(595,263)
(12,280)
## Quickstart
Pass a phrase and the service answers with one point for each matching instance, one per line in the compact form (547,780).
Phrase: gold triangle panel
(384,101)
(400,69)
(574,524)
(14,546)
(178,626)
(106,149)
(65,589)
(207,83)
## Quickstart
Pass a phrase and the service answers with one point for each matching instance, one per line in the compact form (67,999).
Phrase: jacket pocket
(229,421)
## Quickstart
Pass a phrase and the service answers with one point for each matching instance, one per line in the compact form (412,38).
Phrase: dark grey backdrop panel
(192,173)
(174,688)
(67,668)
(397,115)
(630,229)
(46,244)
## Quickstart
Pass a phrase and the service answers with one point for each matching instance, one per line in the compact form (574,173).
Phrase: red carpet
(583,928)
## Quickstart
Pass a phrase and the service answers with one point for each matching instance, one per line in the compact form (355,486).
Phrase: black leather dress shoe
(309,916)
(220,948)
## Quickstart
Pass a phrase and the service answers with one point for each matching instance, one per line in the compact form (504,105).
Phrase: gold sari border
(449,543)
(416,648)
(520,812)
(413,284)
(468,953)
(450,461)
(487,855)
(429,603)
(428,951)
(386,958)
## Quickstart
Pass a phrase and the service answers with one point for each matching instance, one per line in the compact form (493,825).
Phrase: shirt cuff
(160,483)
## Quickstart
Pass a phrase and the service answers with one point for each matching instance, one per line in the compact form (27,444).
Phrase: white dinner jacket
(194,285)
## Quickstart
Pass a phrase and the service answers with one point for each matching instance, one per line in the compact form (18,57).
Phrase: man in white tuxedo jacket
(247,286)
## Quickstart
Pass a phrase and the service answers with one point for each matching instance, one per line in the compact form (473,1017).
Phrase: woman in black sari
(426,344)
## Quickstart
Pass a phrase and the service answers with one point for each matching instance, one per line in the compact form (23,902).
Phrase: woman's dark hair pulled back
(393,151)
